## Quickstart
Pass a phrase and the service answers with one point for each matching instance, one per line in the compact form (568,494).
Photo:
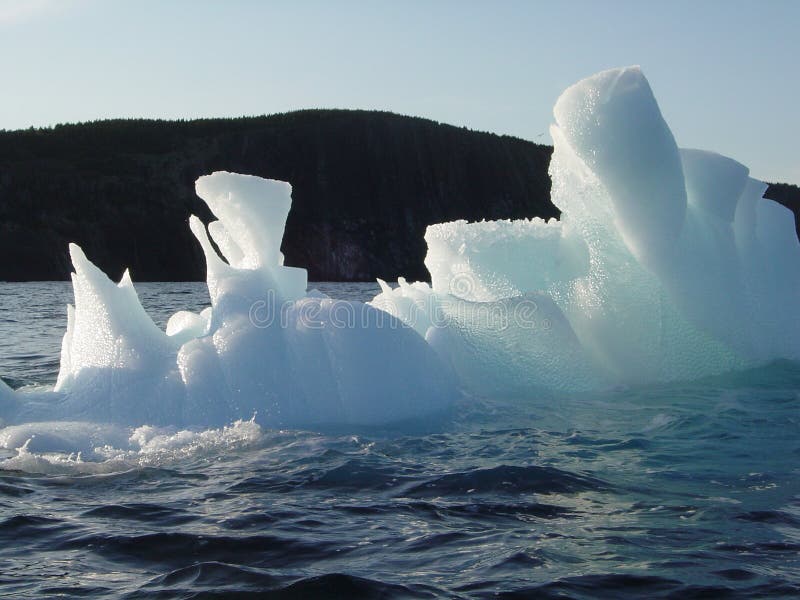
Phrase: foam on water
(81,448)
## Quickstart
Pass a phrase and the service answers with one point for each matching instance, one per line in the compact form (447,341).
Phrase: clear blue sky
(725,72)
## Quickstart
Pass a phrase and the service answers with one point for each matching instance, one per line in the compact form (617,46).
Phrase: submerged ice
(666,264)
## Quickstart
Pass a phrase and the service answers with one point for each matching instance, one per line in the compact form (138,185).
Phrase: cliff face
(365,186)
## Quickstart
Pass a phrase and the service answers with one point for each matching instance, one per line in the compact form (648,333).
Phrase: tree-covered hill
(365,186)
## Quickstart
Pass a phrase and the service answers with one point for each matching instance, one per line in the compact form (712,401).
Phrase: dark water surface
(680,491)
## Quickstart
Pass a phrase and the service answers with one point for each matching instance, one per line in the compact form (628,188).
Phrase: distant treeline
(365,186)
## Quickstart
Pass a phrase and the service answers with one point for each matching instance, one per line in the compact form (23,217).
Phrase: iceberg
(667,264)
(265,347)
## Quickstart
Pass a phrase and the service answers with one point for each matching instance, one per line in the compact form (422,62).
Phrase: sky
(725,73)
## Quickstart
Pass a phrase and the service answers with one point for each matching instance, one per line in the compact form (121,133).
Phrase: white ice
(264,347)
(666,264)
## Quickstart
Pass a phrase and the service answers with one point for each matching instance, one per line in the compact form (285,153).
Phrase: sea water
(680,490)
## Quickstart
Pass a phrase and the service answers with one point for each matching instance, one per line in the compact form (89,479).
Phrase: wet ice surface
(666,265)
(678,490)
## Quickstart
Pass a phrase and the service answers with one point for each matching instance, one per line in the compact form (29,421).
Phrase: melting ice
(667,264)
(264,347)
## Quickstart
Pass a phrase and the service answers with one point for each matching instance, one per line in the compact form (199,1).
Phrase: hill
(365,186)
